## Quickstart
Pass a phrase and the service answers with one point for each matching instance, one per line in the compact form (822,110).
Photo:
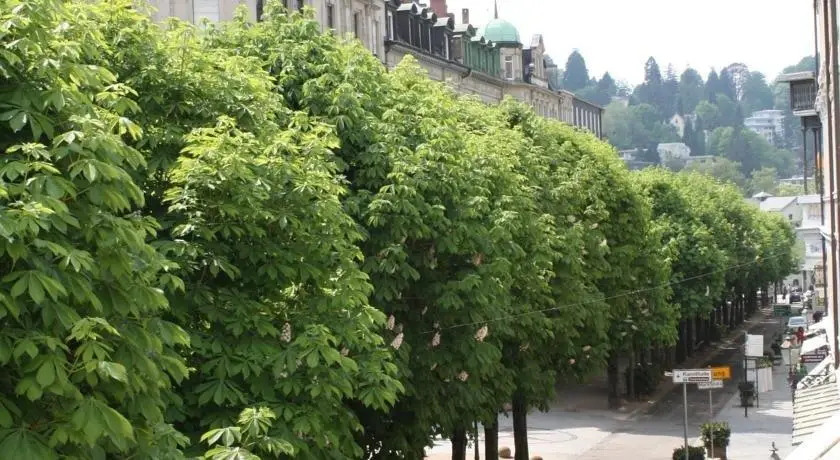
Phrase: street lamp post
(790,355)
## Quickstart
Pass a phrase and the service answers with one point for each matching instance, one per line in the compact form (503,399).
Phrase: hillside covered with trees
(714,108)
(251,240)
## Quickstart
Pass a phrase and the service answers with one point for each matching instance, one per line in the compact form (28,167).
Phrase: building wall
(344,16)
(371,15)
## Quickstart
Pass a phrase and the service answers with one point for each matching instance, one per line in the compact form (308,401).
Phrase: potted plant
(747,393)
(694,453)
(719,432)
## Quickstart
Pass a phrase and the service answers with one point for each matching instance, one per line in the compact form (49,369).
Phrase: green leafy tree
(722,169)
(712,88)
(691,246)
(671,93)
(88,362)
(728,111)
(726,85)
(690,89)
(699,136)
(274,297)
(757,95)
(709,113)
(764,180)
(575,76)
(651,91)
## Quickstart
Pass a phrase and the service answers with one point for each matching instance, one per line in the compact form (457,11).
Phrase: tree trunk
(612,381)
(520,426)
(491,440)
(631,384)
(459,444)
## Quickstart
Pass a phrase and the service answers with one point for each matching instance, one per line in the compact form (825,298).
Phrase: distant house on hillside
(673,151)
(769,124)
(680,121)
(700,159)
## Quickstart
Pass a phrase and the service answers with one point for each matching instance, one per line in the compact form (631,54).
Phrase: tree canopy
(252,240)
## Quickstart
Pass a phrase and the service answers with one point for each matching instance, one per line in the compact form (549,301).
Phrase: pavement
(652,429)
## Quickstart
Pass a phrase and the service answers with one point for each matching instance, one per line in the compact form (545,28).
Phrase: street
(655,432)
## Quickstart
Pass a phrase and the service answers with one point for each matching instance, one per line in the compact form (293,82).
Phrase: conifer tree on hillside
(712,86)
(576,76)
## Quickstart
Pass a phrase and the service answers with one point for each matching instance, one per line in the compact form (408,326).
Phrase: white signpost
(686,376)
(692,375)
(713,385)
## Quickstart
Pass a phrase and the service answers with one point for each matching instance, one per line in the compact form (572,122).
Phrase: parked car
(795,322)
(795,297)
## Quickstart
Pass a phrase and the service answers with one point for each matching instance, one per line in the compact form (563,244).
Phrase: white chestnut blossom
(397,342)
(436,339)
(391,322)
(481,334)
(286,333)
(463,376)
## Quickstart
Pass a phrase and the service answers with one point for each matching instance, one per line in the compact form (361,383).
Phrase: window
(813,212)
(260,8)
(389,25)
(429,39)
(509,67)
(374,42)
(206,9)
(419,42)
(357,24)
(446,46)
(330,15)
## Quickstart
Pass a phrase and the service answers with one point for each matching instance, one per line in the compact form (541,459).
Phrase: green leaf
(114,370)
(46,374)
(18,121)
(36,289)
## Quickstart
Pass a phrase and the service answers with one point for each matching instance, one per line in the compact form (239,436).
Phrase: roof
(762,195)
(777,203)
(462,28)
(812,407)
(808,199)
(535,40)
(501,31)
(796,76)
(823,443)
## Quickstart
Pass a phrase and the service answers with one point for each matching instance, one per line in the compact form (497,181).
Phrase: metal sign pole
(685,419)
(711,417)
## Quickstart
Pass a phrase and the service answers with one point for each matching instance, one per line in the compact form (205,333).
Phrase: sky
(619,35)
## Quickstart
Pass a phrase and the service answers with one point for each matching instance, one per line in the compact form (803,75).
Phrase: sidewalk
(591,398)
(771,422)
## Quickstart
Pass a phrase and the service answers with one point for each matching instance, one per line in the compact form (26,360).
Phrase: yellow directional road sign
(721,373)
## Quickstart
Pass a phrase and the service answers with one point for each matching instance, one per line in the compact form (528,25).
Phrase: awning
(824,444)
(813,407)
(819,375)
(813,344)
(822,325)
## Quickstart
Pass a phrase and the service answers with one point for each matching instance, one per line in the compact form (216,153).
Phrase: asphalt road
(670,408)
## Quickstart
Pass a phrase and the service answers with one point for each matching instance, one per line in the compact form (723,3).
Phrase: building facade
(815,100)
(363,19)
(489,62)
(768,124)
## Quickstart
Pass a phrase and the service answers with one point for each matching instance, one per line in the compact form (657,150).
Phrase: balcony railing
(803,95)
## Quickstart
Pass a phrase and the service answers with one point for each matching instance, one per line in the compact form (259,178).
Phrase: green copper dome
(500,31)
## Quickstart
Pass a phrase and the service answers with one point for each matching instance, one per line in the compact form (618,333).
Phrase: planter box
(717,452)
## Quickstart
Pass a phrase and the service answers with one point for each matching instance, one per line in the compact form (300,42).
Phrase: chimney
(465,16)
(439,7)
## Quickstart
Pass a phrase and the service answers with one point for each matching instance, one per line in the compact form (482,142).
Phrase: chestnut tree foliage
(250,240)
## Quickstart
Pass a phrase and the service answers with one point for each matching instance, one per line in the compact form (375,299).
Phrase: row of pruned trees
(253,240)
